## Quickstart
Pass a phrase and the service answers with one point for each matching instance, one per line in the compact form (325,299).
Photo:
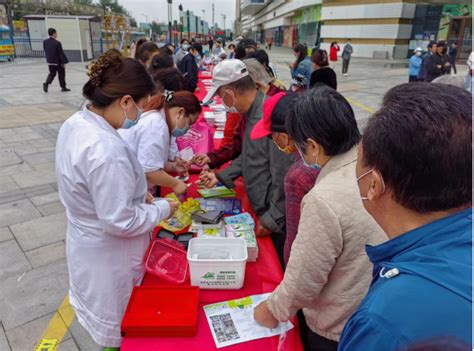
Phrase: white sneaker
(345,74)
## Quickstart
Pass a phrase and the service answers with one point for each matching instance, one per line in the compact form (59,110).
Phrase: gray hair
(448,79)
(257,71)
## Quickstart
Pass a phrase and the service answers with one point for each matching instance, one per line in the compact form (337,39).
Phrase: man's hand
(180,187)
(263,316)
(262,231)
(201,160)
(208,179)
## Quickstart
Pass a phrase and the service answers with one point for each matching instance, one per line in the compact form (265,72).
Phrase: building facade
(389,29)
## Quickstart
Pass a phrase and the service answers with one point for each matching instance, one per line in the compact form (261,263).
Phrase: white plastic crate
(217,263)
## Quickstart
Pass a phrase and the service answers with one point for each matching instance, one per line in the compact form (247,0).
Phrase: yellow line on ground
(57,327)
(368,109)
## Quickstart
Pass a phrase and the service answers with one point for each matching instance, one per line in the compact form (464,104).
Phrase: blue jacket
(415,64)
(428,299)
(304,68)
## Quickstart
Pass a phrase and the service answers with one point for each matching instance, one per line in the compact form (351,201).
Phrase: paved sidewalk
(33,270)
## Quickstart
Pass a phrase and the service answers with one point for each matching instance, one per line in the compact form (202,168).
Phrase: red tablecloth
(260,277)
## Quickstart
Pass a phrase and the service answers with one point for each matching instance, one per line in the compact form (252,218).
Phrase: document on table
(232,322)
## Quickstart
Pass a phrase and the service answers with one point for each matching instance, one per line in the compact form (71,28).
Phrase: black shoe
(65,89)
(45,87)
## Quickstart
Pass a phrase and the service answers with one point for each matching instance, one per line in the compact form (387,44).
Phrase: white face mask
(232,108)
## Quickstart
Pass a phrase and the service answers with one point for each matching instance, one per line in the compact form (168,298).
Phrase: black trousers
(61,71)
(345,66)
(412,79)
(453,65)
(315,342)
(278,240)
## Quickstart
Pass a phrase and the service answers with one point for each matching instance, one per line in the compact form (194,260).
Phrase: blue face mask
(313,165)
(129,123)
(177,132)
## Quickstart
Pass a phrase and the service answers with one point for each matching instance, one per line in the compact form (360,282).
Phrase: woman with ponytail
(104,190)
(168,114)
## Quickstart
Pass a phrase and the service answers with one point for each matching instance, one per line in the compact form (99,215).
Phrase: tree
(113,5)
(84,2)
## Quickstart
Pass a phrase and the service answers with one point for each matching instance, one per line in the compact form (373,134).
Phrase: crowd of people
(438,61)
(373,230)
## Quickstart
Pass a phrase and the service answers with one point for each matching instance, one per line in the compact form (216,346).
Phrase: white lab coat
(103,188)
(150,140)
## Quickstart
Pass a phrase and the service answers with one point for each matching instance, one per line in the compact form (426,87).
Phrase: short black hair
(231,46)
(420,142)
(441,43)
(51,31)
(242,85)
(431,43)
(245,43)
(184,40)
(325,116)
(145,51)
(162,60)
(193,46)
(262,57)
(166,50)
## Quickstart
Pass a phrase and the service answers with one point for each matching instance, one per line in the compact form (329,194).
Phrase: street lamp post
(181,24)
(170,19)
(202,22)
(224,17)
(147,22)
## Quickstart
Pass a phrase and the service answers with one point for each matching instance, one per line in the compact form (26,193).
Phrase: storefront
(307,26)
(456,26)
(451,23)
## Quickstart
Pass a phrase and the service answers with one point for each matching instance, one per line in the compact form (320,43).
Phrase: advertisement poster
(450,11)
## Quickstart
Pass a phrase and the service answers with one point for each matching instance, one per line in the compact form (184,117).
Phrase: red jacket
(333,53)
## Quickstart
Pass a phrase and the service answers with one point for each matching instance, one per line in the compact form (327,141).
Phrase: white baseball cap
(419,49)
(226,72)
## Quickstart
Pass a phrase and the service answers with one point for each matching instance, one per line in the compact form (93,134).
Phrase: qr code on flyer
(224,327)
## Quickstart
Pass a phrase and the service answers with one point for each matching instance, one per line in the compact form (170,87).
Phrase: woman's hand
(174,205)
(264,316)
(149,198)
(208,179)
(182,166)
(201,160)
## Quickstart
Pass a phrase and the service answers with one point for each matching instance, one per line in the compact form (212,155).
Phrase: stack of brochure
(242,226)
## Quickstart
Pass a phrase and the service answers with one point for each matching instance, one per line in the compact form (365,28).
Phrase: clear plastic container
(166,259)
(217,263)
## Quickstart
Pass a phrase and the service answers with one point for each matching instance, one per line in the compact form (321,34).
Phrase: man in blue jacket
(415,179)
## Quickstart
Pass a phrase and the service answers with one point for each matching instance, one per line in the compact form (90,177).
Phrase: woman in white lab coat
(167,114)
(104,190)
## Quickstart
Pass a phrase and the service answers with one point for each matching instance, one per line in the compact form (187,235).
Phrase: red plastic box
(166,259)
(161,311)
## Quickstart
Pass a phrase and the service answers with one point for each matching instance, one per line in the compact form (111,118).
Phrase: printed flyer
(232,322)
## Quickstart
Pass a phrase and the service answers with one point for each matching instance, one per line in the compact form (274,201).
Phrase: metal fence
(26,47)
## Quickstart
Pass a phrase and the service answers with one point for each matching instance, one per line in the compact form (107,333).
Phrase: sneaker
(345,74)
(45,87)
(65,89)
